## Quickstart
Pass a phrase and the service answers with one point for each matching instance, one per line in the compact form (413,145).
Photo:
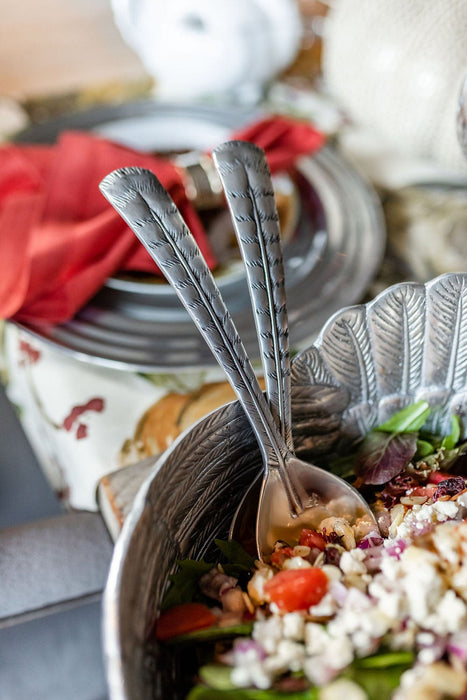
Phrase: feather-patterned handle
(144,204)
(248,187)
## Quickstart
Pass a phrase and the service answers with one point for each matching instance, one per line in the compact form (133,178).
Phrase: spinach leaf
(237,559)
(185,582)
(343,466)
(212,634)
(382,456)
(184,586)
(409,420)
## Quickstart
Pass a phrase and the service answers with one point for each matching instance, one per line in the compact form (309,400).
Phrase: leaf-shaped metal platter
(330,260)
(367,362)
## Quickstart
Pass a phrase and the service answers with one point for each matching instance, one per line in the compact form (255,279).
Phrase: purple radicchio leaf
(382,456)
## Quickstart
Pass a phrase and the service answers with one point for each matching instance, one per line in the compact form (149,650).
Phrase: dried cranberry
(332,555)
(449,487)
(331,537)
(396,488)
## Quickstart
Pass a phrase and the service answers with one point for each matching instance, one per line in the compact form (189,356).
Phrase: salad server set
(293,492)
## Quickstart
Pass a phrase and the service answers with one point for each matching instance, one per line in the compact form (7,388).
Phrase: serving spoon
(294,494)
(246,180)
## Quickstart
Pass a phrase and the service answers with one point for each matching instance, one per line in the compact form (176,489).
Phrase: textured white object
(397,67)
(204,48)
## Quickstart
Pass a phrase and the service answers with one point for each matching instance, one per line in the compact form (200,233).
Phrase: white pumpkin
(196,49)
(397,67)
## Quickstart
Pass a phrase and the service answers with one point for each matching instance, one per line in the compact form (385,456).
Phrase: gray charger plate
(330,260)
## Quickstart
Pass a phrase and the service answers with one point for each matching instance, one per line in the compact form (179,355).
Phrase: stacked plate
(332,251)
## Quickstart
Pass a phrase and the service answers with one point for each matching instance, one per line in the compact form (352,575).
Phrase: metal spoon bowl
(248,187)
(293,493)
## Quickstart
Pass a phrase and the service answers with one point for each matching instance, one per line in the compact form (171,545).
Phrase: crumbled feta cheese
(332,572)
(316,638)
(459,581)
(391,602)
(252,674)
(296,563)
(268,633)
(352,562)
(446,510)
(318,671)
(420,518)
(450,615)
(422,583)
(326,607)
(255,585)
(340,651)
(446,541)
(294,626)
(289,656)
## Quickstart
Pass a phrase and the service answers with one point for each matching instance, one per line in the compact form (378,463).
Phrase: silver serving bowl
(368,361)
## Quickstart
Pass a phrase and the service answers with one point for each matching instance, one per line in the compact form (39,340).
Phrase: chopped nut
(413,500)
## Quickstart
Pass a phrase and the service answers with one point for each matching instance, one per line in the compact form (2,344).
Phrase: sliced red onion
(245,646)
(372,559)
(458,646)
(396,548)
(422,527)
(372,539)
(437,646)
(339,592)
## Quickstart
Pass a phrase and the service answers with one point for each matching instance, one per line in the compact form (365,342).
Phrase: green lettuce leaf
(451,440)
(409,420)
(379,675)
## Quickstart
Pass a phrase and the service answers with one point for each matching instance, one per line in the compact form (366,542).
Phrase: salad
(343,611)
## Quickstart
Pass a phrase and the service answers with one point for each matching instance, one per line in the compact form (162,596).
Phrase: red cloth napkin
(60,239)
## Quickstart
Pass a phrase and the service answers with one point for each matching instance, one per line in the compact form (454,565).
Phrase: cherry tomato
(296,589)
(182,619)
(427,491)
(312,539)
(280,555)
(436,477)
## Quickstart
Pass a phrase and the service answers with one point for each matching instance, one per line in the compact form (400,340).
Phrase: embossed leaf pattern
(346,349)
(308,367)
(446,352)
(397,325)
